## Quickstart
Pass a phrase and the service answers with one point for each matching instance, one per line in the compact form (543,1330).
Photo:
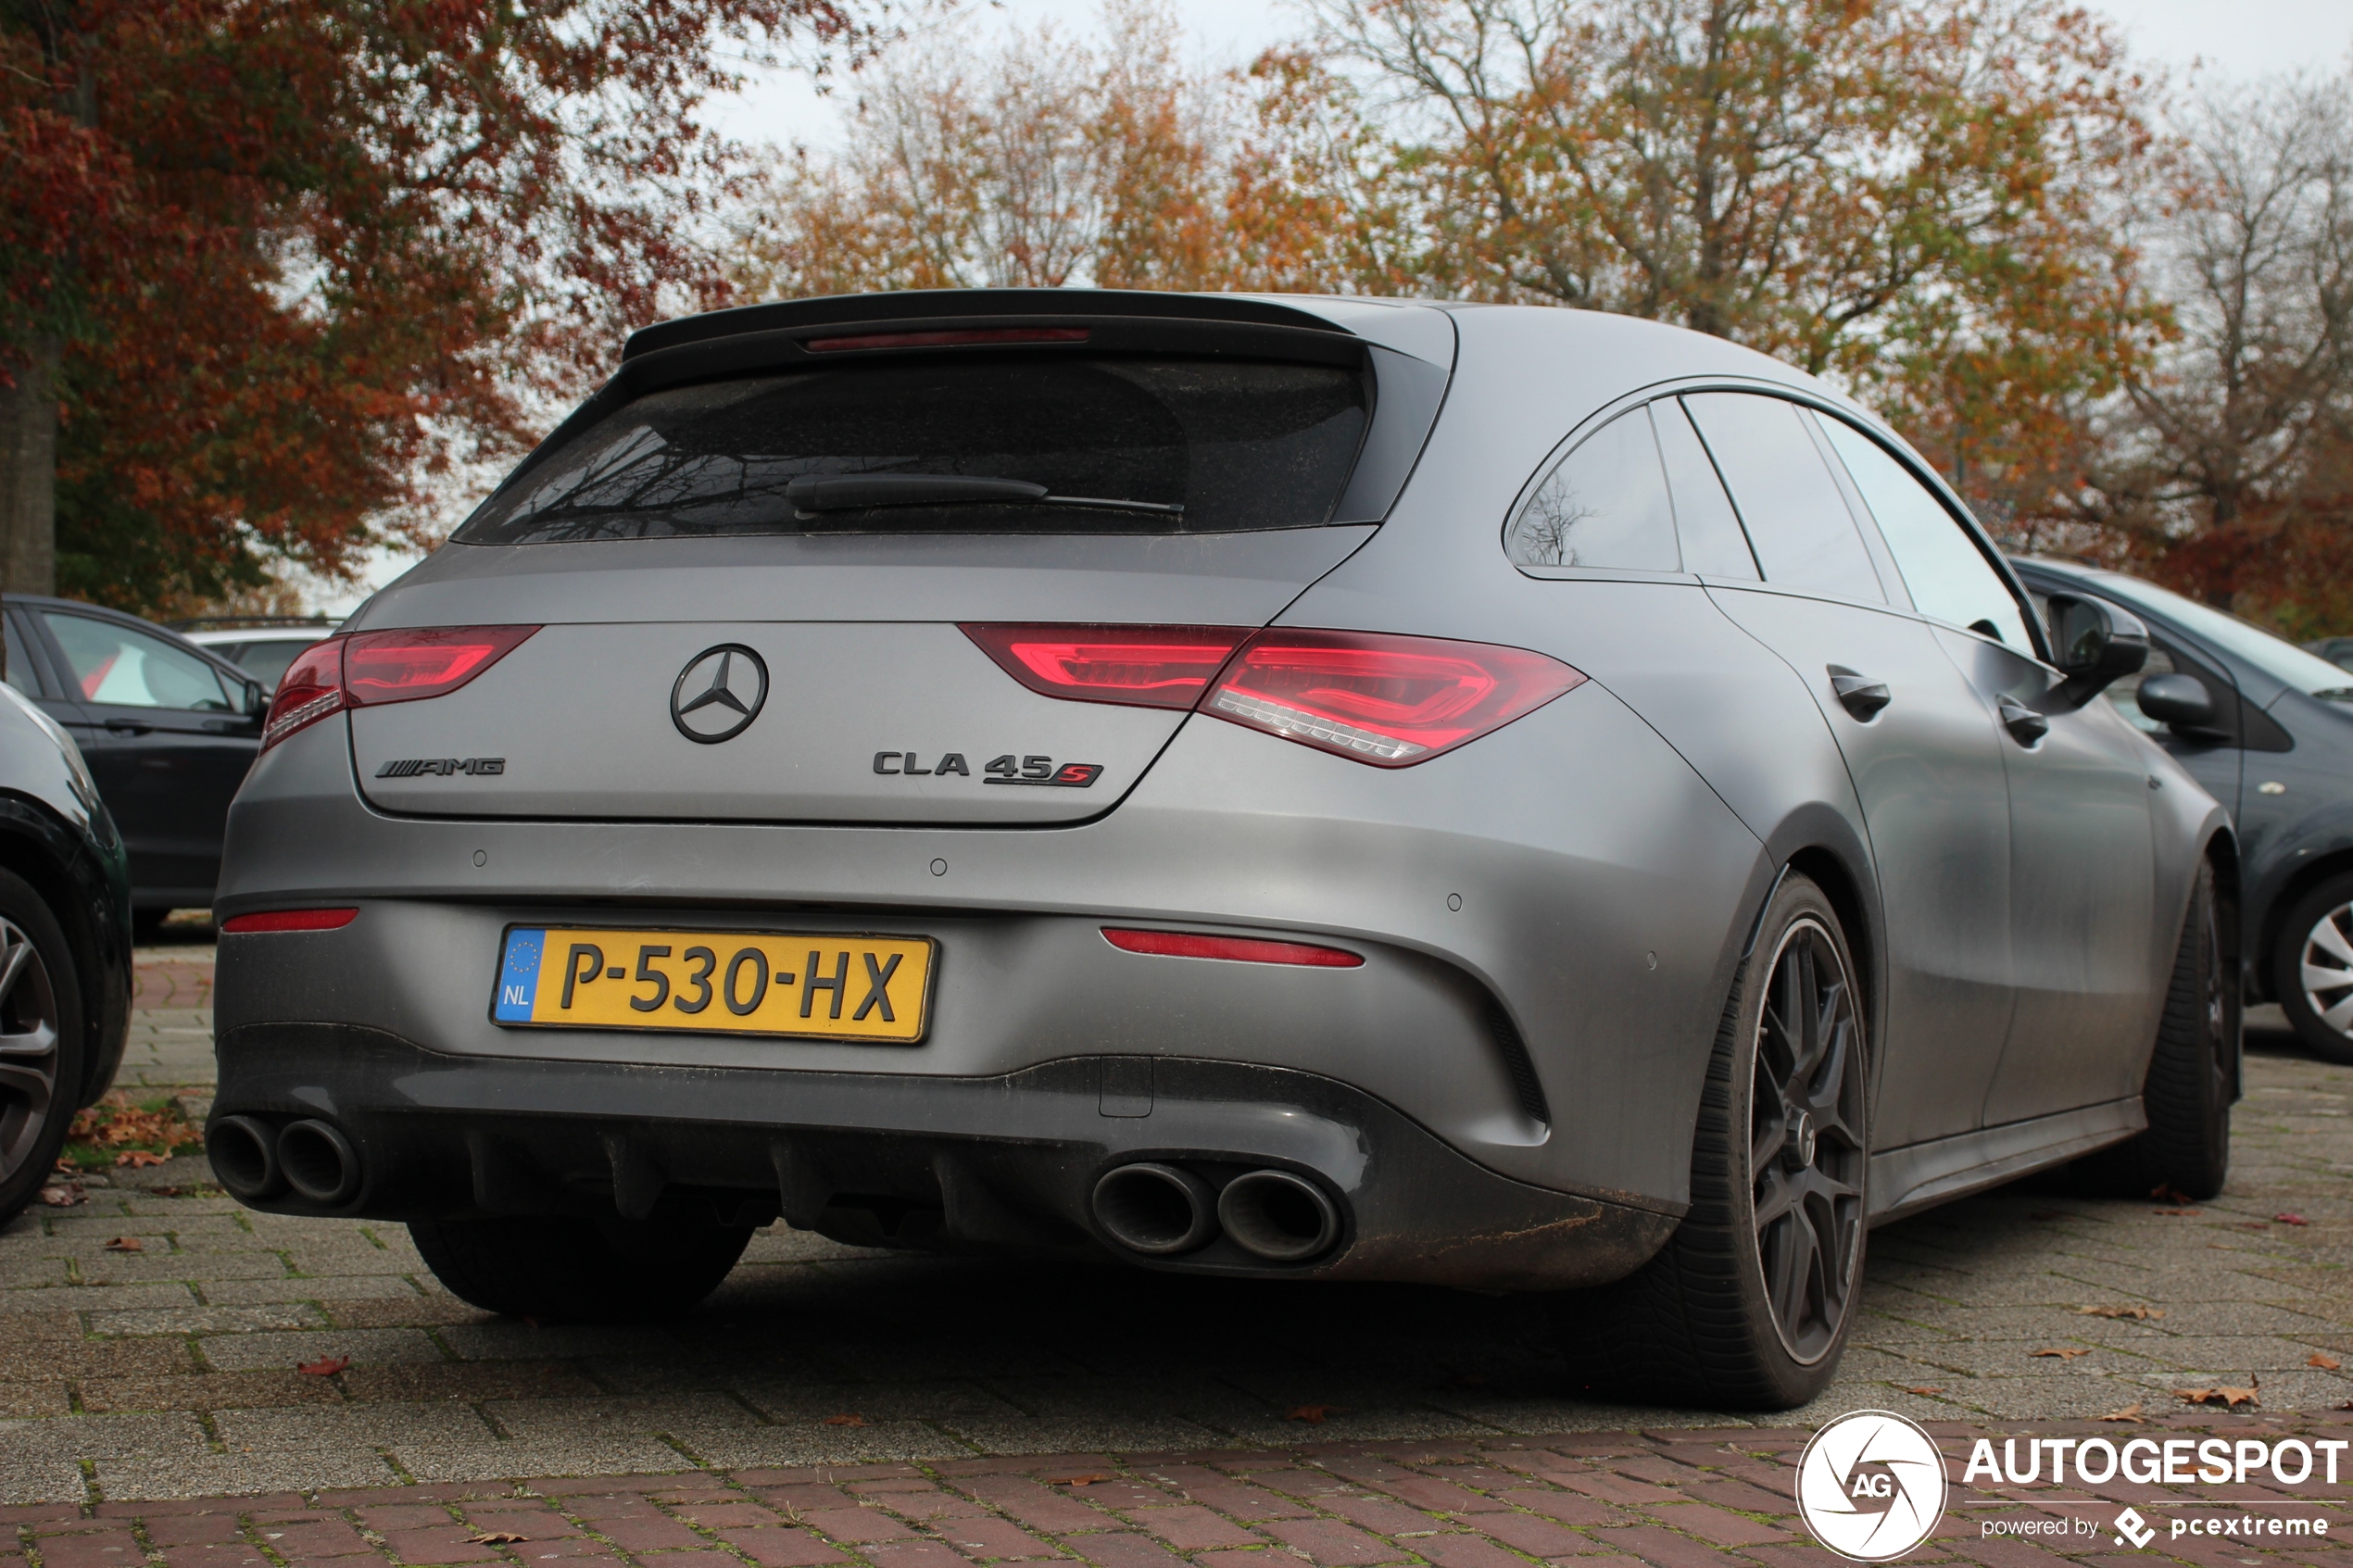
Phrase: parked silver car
(1287,788)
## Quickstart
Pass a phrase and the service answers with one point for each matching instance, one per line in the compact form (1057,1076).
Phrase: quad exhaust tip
(319,1163)
(244,1151)
(1278,1216)
(1156,1210)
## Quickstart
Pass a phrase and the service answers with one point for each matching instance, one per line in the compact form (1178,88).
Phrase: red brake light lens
(1240,949)
(1387,700)
(953,338)
(406,666)
(309,690)
(1137,666)
(290,920)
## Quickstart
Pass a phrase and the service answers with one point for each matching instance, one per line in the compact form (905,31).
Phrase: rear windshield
(1098,445)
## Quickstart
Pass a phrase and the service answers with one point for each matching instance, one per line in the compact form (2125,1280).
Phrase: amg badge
(445,766)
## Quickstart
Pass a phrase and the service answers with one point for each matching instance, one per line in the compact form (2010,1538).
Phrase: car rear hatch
(878,560)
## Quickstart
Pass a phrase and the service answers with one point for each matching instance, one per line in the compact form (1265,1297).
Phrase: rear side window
(1948,576)
(115,664)
(1713,542)
(1804,536)
(1605,505)
(1063,444)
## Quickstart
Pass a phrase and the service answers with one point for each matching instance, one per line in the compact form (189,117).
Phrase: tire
(2192,1072)
(2307,950)
(559,1269)
(42,1062)
(1739,1312)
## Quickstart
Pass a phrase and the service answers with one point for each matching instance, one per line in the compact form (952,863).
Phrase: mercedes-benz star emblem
(719,694)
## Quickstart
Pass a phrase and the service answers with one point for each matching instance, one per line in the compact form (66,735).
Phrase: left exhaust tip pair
(254,1160)
(1162,1210)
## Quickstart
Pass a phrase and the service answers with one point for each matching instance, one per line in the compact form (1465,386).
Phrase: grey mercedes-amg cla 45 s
(1289,788)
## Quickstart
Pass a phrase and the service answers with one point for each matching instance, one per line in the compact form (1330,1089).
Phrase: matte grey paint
(1647,812)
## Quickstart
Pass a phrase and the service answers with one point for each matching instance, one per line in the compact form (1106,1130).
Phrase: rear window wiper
(811,493)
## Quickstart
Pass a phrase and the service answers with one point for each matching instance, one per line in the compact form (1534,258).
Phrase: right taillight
(372,668)
(1390,701)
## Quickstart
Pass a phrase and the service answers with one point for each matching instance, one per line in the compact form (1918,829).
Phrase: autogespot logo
(1870,1485)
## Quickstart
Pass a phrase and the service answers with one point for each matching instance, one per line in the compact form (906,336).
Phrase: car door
(1921,745)
(169,741)
(2082,859)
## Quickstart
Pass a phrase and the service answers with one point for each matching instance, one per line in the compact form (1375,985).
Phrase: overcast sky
(2211,38)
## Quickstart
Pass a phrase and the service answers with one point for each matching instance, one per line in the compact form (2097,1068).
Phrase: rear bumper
(996,1163)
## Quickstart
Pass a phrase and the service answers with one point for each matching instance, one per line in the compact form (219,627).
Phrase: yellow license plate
(828,987)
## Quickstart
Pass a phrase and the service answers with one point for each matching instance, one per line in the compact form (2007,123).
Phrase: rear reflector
(404,666)
(1387,700)
(290,920)
(960,338)
(1240,949)
(1137,666)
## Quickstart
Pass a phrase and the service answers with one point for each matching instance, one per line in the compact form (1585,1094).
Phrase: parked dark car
(2267,727)
(166,728)
(65,944)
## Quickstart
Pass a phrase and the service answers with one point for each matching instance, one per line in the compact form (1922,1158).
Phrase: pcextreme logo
(1870,1485)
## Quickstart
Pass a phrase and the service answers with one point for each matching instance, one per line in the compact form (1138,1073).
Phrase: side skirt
(1921,1175)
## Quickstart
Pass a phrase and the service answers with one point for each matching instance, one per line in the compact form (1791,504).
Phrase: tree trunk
(29,472)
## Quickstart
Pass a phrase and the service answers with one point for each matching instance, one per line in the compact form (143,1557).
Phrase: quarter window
(1605,505)
(1713,542)
(1948,576)
(1804,536)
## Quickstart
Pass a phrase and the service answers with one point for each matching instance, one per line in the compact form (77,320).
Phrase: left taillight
(1133,666)
(373,667)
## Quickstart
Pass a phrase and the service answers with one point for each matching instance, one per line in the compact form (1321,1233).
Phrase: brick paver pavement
(168,1371)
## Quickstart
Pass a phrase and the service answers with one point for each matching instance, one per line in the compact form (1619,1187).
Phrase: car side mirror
(2180,701)
(256,700)
(2096,645)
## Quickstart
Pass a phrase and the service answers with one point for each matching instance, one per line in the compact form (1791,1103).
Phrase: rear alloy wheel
(1748,1304)
(2312,970)
(41,1058)
(2193,1071)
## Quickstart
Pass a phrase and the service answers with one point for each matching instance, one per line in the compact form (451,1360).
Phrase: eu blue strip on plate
(519,977)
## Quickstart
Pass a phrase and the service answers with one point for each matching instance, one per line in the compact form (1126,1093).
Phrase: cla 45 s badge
(1005,769)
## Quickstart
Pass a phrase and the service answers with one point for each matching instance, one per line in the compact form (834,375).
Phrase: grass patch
(120,1131)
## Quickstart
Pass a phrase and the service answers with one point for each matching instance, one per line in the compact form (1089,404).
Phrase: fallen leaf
(126,1244)
(61,1196)
(2138,1313)
(138,1159)
(2065,1353)
(2325,1362)
(845,1419)
(2230,1398)
(496,1538)
(325,1366)
(2165,1193)
(2129,1412)
(1087,1479)
(2176,1211)
(1312,1414)
(2290,1220)
(1923,1390)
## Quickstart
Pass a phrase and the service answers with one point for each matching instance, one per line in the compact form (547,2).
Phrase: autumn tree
(2226,467)
(1043,161)
(268,267)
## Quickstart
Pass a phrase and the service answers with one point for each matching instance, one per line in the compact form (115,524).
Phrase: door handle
(127,727)
(2025,726)
(1859,694)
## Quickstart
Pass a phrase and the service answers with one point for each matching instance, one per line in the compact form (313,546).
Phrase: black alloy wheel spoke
(1807,1148)
(28,1049)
